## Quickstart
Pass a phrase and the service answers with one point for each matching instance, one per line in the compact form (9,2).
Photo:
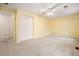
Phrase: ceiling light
(49,14)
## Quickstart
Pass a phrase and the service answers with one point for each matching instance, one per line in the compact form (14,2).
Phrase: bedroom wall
(40,24)
(65,26)
(41,27)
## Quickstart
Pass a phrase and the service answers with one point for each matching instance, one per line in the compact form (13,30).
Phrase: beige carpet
(47,46)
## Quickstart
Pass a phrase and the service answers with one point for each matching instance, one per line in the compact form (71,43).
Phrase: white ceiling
(32,7)
(40,8)
(61,11)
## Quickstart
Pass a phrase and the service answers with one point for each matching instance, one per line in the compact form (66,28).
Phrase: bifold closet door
(6,25)
(25,27)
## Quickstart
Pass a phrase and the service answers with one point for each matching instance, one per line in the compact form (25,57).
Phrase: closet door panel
(6,25)
(25,27)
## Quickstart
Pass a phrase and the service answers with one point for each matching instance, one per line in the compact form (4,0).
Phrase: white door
(6,25)
(25,28)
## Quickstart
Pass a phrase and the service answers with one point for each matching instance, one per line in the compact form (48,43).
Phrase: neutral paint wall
(40,24)
(65,26)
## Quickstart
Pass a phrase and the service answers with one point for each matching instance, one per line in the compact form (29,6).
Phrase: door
(6,26)
(25,27)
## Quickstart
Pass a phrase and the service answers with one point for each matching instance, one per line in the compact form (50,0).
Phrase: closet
(7,17)
(24,27)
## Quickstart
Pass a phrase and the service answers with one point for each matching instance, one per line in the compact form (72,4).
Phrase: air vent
(65,6)
(6,3)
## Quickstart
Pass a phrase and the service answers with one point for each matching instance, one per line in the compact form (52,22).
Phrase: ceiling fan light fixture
(49,13)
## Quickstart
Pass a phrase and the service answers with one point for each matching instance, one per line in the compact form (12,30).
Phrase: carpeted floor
(47,46)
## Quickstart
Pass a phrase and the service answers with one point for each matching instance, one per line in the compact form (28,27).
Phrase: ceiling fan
(49,10)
